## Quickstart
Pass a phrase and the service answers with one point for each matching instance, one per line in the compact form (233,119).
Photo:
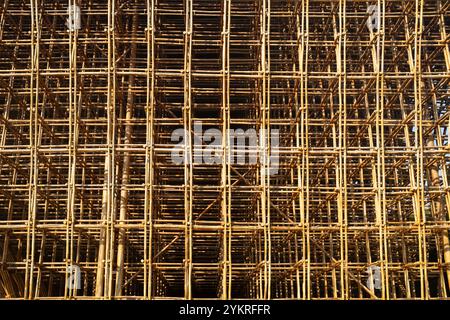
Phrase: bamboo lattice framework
(87,179)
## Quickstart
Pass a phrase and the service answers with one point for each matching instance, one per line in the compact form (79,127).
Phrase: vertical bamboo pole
(418,27)
(107,196)
(72,147)
(226,156)
(149,165)
(34,145)
(188,155)
(127,156)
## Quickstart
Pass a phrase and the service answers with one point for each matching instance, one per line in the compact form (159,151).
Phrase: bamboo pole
(126,160)
(87,176)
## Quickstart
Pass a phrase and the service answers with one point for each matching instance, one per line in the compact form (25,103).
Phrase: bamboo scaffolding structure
(357,90)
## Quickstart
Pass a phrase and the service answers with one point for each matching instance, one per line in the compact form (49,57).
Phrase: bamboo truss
(87,179)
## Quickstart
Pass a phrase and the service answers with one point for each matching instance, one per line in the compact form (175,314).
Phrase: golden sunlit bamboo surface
(93,207)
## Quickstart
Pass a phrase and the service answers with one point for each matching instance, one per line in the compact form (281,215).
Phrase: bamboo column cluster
(93,205)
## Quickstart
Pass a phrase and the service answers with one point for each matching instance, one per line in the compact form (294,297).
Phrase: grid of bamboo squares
(86,177)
